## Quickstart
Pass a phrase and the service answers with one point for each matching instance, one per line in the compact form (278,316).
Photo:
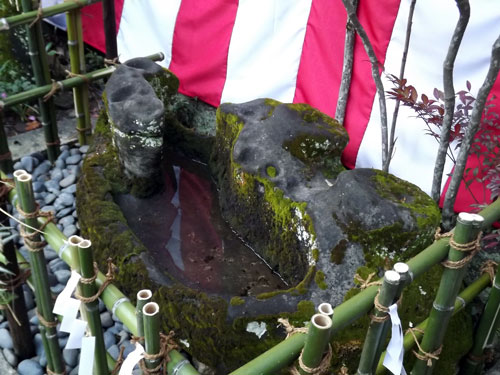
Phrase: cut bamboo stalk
(326,309)
(151,317)
(36,57)
(463,299)
(467,229)
(388,291)
(43,295)
(88,291)
(28,17)
(108,15)
(6,164)
(74,58)
(143,297)
(67,83)
(485,330)
(317,340)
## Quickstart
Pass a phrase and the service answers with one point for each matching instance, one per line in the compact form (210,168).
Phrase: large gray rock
(283,188)
(136,115)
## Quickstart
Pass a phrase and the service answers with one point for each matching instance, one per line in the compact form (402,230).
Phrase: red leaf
(468,85)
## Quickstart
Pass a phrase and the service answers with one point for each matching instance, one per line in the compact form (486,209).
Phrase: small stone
(10,357)
(73,159)
(34,330)
(52,186)
(71,357)
(74,151)
(48,208)
(65,199)
(75,169)
(63,341)
(114,351)
(75,371)
(123,337)
(65,173)
(106,320)
(57,288)
(42,169)
(75,214)
(56,175)
(70,230)
(71,189)
(49,253)
(18,165)
(5,339)
(62,276)
(67,181)
(39,187)
(67,220)
(84,149)
(29,367)
(49,198)
(28,163)
(34,320)
(109,339)
(64,154)
(4,324)
(60,164)
(129,348)
(28,300)
(64,212)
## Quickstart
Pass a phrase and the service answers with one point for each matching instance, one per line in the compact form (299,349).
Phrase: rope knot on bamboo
(50,372)
(39,16)
(473,247)
(29,237)
(365,283)
(167,344)
(489,267)
(56,86)
(290,329)
(44,322)
(322,368)
(110,276)
(422,354)
(381,308)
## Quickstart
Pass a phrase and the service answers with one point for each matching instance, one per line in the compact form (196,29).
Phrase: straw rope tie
(50,372)
(290,329)
(45,322)
(119,362)
(473,247)
(56,86)
(489,267)
(39,16)
(167,344)
(113,61)
(70,74)
(28,238)
(425,356)
(12,283)
(322,368)
(365,283)
(110,276)
(381,308)
(55,143)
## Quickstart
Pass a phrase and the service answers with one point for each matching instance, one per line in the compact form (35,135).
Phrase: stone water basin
(185,234)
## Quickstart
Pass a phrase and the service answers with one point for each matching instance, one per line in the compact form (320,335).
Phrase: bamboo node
(167,344)
(365,283)
(56,86)
(322,368)
(473,247)
(110,276)
(422,354)
(489,267)
(290,329)
(45,322)
(39,16)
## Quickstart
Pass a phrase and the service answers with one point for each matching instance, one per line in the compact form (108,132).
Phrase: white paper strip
(393,360)
(69,314)
(131,360)
(65,295)
(87,356)
(76,334)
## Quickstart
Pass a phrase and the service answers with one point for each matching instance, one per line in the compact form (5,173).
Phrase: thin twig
(351,13)
(449,96)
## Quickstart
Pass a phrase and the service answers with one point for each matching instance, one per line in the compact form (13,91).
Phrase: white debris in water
(184,342)
(258,328)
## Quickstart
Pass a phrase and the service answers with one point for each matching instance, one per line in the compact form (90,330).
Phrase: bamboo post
(143,297)
(326,309)
(388,290)
(16,312)
(108,15)
(38,58)
(83,70)
(91,303)
(464,239)
(317,340)
(462,300)
(6,164)
(485,330)
(151,314)
(78,91)
(43,296)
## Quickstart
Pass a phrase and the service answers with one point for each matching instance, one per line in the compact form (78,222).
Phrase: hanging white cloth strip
(393,360)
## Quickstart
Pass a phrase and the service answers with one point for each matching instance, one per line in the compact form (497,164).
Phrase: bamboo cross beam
(28,17)
(65,84)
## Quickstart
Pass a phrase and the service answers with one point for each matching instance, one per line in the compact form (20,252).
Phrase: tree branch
(351,13)
(345,83)
(449,96)
(401,76)
(470,133)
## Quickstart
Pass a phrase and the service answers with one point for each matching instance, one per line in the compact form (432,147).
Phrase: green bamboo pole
(388,290)
(40,71)
(28,17)
(108,15)
(88,290)
(67,83)
(6,164)
(326,309)
(317,339)
(468,226)
(351,310)
(143,297)
(151,316)
(485,330)
(43,295)
(463,299)
(74,58)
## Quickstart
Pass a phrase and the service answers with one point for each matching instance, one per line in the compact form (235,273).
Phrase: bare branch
(449,96)
(351,13)
(345,83)
(470,133)
(392,141)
